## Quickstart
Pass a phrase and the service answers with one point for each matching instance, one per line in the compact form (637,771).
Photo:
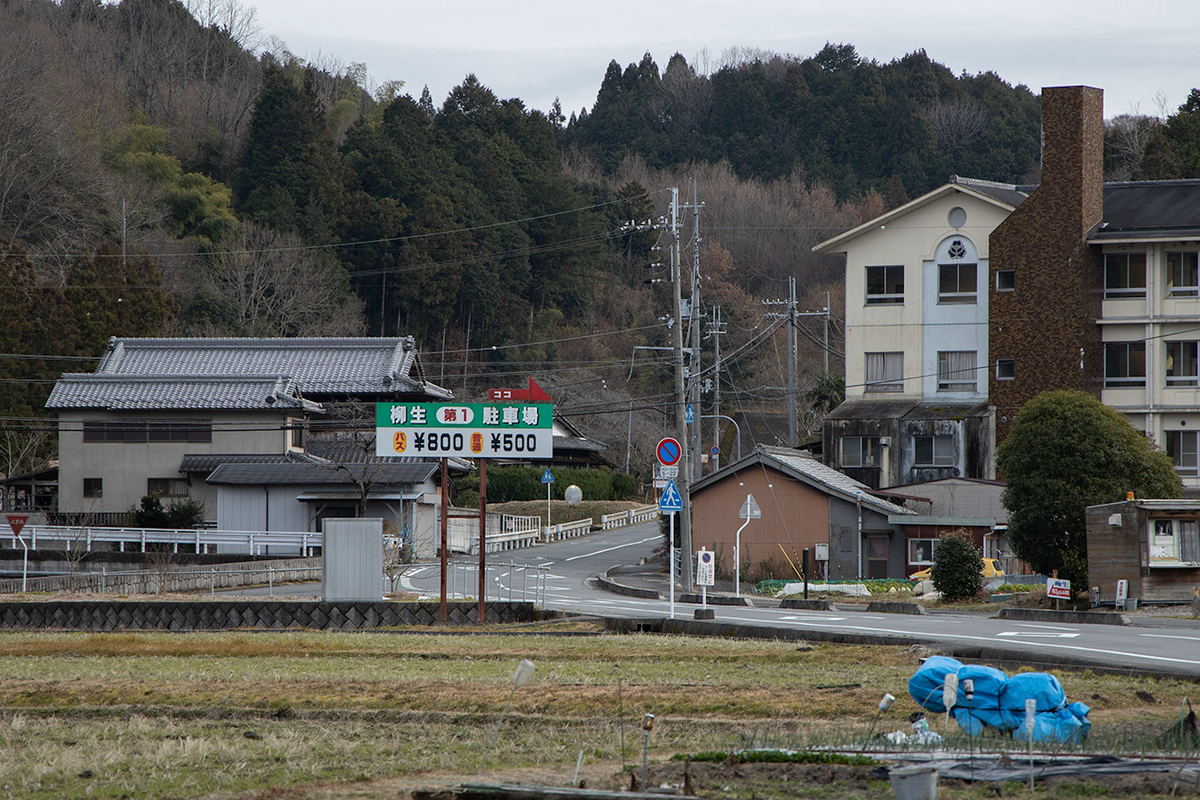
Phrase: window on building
(167,487)
(1181,447)
(885,372)
(1124,364)
(1124,275)
(934,451)
(1183,278)
(1181,364)
(920,551)
(1006,280)
(885,285)
(140,432)
(845,540)
(1174,541)
(860,451)
(957,283)
(297,434)
(1006,369)
(93,487)
(956,371)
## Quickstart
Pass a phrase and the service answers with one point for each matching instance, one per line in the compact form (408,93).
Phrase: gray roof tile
(383,366)
(170,392)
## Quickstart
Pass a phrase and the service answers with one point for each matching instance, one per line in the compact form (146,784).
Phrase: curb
(609,585)
(889,607)
(807,605)
(1078,617)
(713,600)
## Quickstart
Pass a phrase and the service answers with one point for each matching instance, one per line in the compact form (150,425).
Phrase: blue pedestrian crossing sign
(670,501)
(547,477)
(689,414)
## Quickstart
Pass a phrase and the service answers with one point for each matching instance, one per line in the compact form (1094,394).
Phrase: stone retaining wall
(102,615)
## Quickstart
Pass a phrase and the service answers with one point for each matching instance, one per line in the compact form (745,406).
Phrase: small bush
(957,566)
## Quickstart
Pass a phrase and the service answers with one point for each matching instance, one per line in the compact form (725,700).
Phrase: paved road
(561,576)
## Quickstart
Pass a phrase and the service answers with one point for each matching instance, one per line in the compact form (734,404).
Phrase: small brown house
(805,505)
(1153,544)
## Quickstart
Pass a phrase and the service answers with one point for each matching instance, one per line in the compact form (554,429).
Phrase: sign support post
(482,535)
(445,527)
(671,571)
(669,503)
(16,522)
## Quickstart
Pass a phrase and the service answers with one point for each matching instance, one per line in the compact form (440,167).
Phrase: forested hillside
(166,168)
(900,128)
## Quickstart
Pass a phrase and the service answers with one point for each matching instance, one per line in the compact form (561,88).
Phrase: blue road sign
(689,414)
(668,452)
(670,500)
(547,477)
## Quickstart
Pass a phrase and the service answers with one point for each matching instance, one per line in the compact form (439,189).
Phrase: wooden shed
(1153,544)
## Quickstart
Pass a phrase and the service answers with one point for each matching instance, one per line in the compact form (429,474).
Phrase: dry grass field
(311,714)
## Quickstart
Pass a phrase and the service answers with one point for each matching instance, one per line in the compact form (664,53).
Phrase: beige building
(917,338)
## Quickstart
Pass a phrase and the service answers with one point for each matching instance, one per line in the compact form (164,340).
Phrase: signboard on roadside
(513,430)
(1058,588)
(706,568)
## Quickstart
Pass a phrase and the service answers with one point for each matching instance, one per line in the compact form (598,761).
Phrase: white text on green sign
(469,430)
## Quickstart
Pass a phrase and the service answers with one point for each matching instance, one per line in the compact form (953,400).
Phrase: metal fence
(462,582)
(157,579)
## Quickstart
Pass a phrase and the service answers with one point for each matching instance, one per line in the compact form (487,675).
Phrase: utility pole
(682,483)
(716,329)
(694,318)
(791,315)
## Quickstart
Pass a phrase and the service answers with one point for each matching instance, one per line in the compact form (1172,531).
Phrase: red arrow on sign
(16,522)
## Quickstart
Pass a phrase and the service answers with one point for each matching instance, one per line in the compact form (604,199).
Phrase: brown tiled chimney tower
(1047,322)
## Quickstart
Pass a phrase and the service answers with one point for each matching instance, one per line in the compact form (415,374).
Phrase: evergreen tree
(1068,451)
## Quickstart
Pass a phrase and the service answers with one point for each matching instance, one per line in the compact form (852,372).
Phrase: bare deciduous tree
(955,122)
(271,285)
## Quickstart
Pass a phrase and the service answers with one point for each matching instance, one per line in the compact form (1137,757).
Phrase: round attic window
(957,217)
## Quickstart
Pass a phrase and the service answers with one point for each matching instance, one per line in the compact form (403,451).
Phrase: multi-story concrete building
(917,305)
(1074,283)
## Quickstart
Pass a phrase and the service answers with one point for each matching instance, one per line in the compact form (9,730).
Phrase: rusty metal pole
(482,535)
(445,526)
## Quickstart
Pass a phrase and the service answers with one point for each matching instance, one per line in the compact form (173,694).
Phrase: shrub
(956,567)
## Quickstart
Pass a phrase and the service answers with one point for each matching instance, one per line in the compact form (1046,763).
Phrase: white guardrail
(631,517)
(135,539)
(504,532)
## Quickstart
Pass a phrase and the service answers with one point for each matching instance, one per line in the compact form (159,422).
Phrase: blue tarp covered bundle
(999,701)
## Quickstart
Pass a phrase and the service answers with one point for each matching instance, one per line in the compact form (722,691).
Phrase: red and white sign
(534,394)
(1058,588)
(16,522)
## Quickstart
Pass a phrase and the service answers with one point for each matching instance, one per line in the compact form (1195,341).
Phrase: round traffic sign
(716,451)
(668,452)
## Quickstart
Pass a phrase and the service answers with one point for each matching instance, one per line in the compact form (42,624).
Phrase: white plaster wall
(124,467)
(909,240)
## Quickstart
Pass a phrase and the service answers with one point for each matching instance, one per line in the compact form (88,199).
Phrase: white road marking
(1042,627)
(1168,636)
(610,549)
(1039,633)
(967,637)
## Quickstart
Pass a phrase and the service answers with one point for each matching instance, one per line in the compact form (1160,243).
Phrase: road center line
(610,549)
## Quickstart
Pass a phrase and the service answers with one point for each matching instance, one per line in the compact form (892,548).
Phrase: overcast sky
(538,50)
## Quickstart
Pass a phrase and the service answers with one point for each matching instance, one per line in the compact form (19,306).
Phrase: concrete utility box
(353,559)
